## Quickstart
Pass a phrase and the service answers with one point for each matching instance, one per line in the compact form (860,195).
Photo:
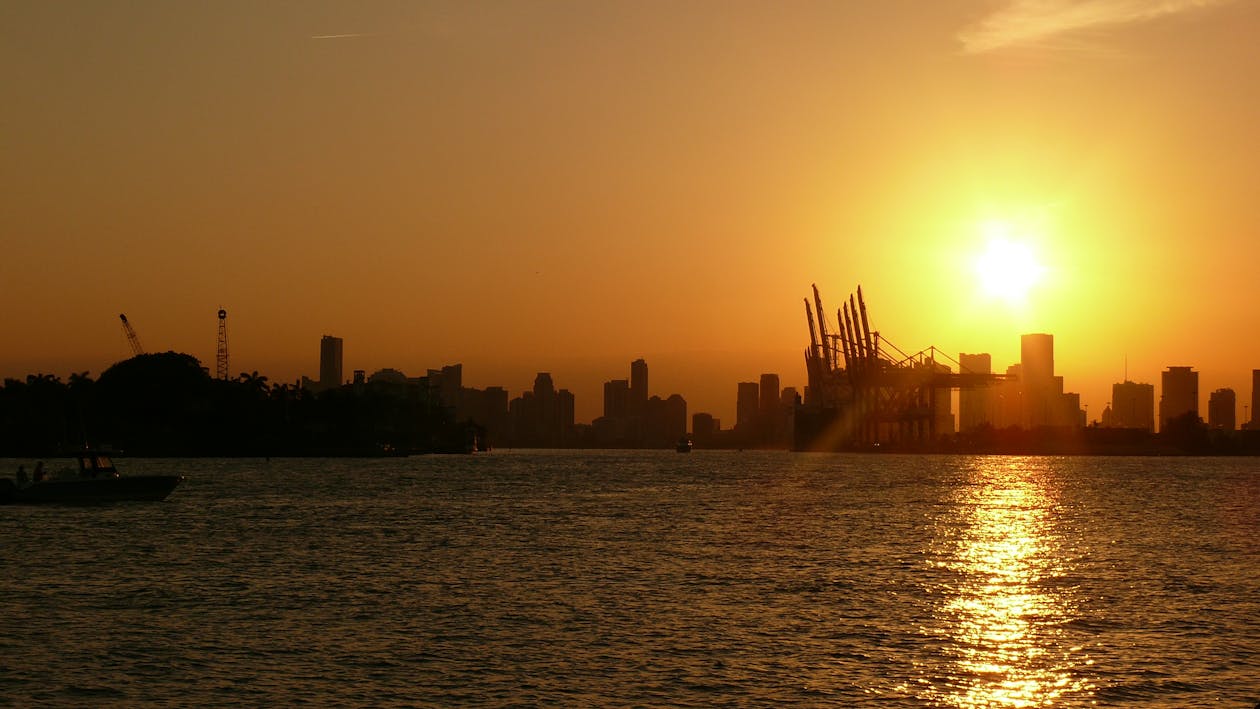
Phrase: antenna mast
(222,356)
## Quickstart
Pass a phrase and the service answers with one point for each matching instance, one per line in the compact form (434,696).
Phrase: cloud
(1042,23)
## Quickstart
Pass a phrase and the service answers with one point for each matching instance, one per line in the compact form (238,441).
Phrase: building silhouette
(638,387)
(330,362)
(976,406)
(664,422)
(1037,372)
(488,408)
(632,419)
(1132,406)
(446,385)
(1043,401)
(1010,399)
(1178,395)
(1221,406)
(770,414)
(768,394)
(704,429)
(543,417)
(617,399)
(747,406)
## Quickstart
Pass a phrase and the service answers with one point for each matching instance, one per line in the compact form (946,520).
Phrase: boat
(95,482)
(684,445)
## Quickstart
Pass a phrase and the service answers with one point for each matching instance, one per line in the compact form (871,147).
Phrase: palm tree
(254,381)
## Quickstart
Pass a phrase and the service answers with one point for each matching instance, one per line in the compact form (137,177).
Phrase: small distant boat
(96,482)
(684,445)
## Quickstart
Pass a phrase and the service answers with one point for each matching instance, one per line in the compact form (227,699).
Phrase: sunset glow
(1007,270)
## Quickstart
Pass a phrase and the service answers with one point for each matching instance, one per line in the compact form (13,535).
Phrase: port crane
(132,338)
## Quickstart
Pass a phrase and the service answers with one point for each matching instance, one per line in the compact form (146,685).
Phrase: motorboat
(95,482)
(684,445)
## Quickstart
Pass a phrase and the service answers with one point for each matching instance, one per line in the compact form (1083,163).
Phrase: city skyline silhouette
(524,189)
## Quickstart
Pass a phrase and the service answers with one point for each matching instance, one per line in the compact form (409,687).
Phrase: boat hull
(91,491)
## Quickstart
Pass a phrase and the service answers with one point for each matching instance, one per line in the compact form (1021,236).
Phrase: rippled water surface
(647,579)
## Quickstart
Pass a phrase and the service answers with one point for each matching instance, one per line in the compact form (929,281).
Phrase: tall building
(565,407)
(1039,390)
(1221,406)
(769,394)
(665,421)
(1133,405)
(976,406)
(542,416)
(446,384)
(547,422)
(638,386)
(788,398)
(329,362)
(747,403)
(1010,399)
(616,398)
(703,428)
(1178,395)
(769,413)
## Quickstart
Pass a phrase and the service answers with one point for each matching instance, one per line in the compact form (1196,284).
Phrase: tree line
(167,404)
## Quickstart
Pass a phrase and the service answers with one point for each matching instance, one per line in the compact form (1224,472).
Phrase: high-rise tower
(329,362)
(1178,395)
(1221,407)
(1037,374)
(638,386)
(1133,405)
(976,406)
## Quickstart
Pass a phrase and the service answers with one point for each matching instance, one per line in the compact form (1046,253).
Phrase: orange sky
(567,186)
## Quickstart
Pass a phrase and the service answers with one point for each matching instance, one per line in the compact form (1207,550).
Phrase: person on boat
(21,476)
(38,475)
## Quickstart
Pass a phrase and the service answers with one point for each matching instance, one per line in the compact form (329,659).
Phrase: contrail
(1037,22)
(349,35)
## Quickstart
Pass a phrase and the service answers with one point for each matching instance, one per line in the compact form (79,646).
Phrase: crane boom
(132,338)
(828,353)
(871,352)
(813,332)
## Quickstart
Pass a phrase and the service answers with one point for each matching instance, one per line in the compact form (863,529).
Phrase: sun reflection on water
(1002,617)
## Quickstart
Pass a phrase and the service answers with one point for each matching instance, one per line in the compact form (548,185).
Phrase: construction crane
(132,339)
(222,358)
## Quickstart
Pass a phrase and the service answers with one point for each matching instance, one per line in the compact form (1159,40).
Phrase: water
(645,579)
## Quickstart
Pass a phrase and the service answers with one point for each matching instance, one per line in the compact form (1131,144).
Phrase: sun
(1008,269)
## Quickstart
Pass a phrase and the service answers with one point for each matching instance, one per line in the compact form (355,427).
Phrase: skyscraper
(1178,395)
(747,403)
(548,421)
(976,406)
(1133,405)
(329,362)
(703,428)
(638,386)
(616,398)
(769,394)
(1221,406)
(1037,372)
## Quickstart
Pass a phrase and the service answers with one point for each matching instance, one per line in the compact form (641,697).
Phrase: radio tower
(222,358)
(132,339)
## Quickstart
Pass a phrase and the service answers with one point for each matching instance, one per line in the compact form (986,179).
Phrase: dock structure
(866,392)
